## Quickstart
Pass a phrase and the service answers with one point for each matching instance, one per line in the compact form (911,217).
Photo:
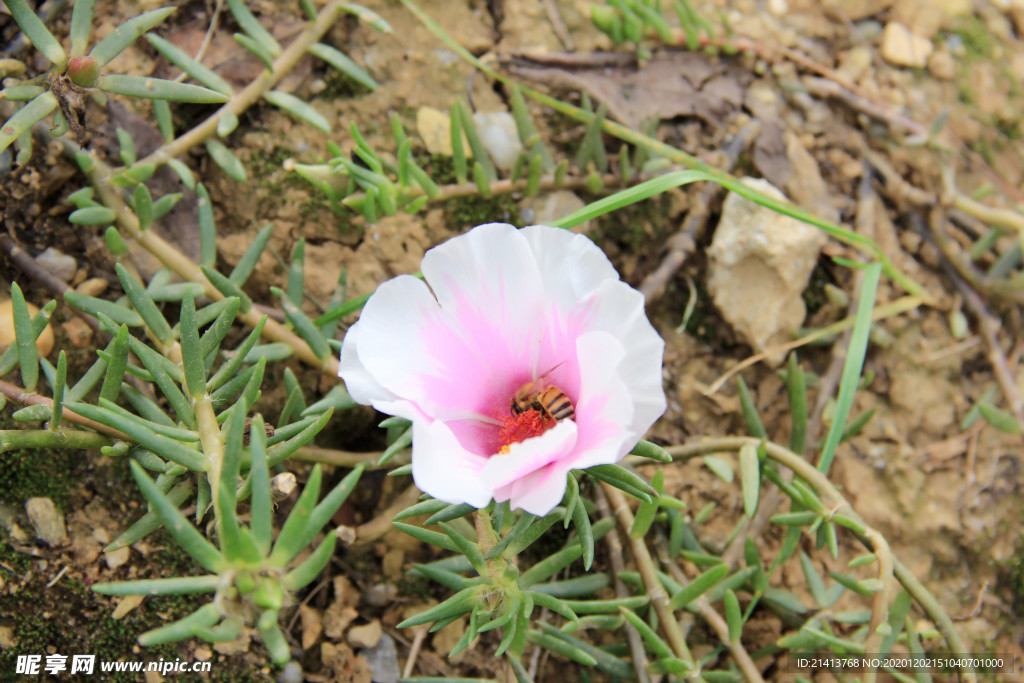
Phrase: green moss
(977,39)
(28,473)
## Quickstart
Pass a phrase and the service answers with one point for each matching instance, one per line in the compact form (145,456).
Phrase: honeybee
(546,399)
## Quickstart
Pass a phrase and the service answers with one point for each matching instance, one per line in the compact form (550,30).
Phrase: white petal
(604,410)
(444,469)
(361,385)
(489,275)
(537,493)
(530,455)
(619,310)
(571,265)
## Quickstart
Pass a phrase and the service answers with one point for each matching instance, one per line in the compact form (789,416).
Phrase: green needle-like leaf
(658,646)
(178,585)
(282,450)
(228,162)
(184,61)
(116,364)
(340,61)
(247,263)
(193,542)
(81,24)
(750,478)
(584,533)
(57,413)
(126,33)
(623,479)
(288,541)
(253,28)
(203,618)
(158,89)
(455,606)
(25,340)
(33,28)
(261,505)
(299,109)
(312,566)
(207,231)
(574,588)
(1000,419)
(750,415)
(166,447)
(698,586)
(327,507)
(92,215)
(427,536)
(551,565)
(150,521)
(304,327)
(191,350)
(226,287)
(144,305)
(143,206)
(796,389)
(853,364)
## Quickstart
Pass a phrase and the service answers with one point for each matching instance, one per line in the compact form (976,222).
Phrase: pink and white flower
(502,307)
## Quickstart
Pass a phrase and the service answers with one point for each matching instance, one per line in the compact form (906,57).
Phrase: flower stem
(888,564)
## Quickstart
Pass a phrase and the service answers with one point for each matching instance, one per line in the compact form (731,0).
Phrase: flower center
(522,426)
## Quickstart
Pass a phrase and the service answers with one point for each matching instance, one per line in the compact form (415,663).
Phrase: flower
(522,357)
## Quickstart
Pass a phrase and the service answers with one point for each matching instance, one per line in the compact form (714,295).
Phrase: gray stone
(58,263)
(47,521)
(383,661)
(761,262)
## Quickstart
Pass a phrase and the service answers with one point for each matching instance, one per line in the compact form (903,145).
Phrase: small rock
(291,673)
(47,520)
(498,134)
(7,640)
(855,10)
(78,331)
(44,342)
(435,127)
(58,263)
(116,558)
(778,7)
(383,661)
(942,65)
(127,604)
(391,563)
(312,625)
(203,653)
(153,677)
(365,636)
(855,62)
(282,486)
(760,264)
(550,206)
(94,286)
(903,48)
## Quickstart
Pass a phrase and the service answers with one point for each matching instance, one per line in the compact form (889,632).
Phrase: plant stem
(44,438)
(213,444)
(27,398)
(252,93)
(655,591)
(831,497)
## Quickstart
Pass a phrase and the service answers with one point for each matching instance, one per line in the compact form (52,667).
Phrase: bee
(546,399)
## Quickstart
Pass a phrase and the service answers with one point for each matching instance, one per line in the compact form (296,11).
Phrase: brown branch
(26,398)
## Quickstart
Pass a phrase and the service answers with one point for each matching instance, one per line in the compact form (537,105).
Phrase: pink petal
(530,455)
(538,492)
(444,469)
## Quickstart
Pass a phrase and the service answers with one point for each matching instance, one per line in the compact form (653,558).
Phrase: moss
(978,40)
(28,473)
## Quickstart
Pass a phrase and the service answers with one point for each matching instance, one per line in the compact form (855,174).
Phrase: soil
(949,500)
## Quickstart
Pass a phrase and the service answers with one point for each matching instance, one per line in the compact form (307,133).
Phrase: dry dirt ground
(948,500)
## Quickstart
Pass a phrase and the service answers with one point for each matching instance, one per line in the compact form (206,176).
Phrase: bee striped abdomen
(556,404)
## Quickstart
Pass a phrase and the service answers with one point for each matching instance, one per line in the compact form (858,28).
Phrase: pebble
(116,558)
(498,134)
(78,331)
(901,47)
(365,636)
(383,661)
(94,286)
(941,65)
(435,128)
(47,521)
(58,263)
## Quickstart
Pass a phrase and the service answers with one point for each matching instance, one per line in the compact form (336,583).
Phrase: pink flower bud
(83,71)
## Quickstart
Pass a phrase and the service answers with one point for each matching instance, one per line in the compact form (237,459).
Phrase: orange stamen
(525,425)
